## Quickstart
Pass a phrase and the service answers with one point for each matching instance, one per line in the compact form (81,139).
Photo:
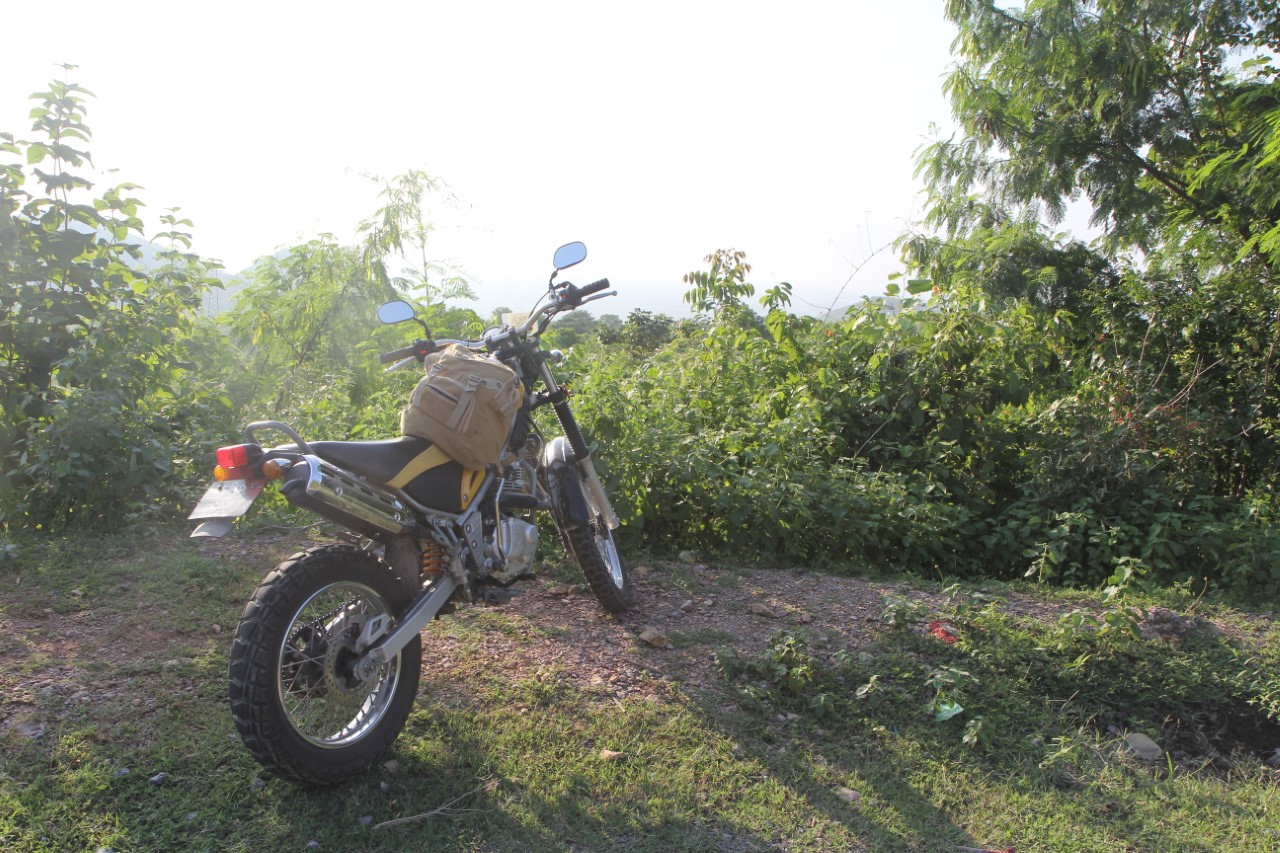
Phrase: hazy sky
(656,132)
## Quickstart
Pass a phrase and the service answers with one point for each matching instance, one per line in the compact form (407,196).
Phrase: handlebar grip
(397,355)
(594,287)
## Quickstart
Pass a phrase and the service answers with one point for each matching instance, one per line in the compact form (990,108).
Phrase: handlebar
(575,294)
(570,297)
(418,349)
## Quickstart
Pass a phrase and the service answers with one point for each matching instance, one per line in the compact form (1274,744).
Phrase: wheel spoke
(317,685)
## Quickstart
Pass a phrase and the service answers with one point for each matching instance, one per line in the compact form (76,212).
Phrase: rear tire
(295,700)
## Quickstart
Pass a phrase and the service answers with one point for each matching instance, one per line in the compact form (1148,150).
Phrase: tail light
(238,462)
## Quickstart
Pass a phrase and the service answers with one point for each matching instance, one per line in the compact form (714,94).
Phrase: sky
(655,132)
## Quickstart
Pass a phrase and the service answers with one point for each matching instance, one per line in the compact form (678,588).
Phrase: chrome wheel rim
(323,700)
(609,553)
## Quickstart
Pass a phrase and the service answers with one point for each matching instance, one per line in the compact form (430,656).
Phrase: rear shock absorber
(434,559)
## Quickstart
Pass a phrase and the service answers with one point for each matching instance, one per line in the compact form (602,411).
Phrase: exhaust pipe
(345,499)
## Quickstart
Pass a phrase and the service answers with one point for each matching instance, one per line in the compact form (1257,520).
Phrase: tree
(93,345)
(1162,114)
(641,334)
(569,329)
(1124,102)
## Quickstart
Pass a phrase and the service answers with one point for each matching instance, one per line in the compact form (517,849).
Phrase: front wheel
(597,555)
(588,538)
(299,706)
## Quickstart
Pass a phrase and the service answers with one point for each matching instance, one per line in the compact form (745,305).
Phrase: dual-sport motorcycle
(326,659)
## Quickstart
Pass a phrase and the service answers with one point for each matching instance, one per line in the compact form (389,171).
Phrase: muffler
(343,498)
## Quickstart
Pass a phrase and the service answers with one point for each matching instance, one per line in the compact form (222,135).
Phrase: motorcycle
(326,659)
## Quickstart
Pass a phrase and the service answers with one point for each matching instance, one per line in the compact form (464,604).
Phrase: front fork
(577,448)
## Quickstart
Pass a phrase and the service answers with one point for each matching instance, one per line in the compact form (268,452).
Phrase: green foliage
(643,332)
(96,411)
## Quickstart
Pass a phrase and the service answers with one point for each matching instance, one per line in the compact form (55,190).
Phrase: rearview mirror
(569,254)
(396,312)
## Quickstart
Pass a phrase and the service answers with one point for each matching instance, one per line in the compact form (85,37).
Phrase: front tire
(295,699)
(588,538)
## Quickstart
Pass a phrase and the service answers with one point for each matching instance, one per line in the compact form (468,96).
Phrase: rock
(216,628)
(641,572)
(158,779)
(191,816)
(689,557)
(29,729)
(1274,760)
(804,618)
(383,787)
(121,773)
(610,755)
(258,784)
(391,766)
(655,638)
(1143,746)
(562,590)
(366,820)
(313,845)
(848,795)
(760,610)
(686,605)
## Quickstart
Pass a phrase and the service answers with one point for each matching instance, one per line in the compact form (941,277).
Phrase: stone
(216,628)
(655,638)
(366,820)
(29,729)
(759,609)
(610,755)
(804,618)
(689,557)
(391,766)
(158,779)
(848,795)
(1143,746)
(121,773)
(258,784)
(191,816)
(313,845)
(686,605)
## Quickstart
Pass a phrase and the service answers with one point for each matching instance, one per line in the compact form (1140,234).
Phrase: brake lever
(401,363)
(596,296)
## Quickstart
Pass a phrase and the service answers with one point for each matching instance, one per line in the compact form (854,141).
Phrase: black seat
(379,460)
(414,464)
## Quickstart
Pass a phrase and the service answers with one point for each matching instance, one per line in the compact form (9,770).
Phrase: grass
(114,651)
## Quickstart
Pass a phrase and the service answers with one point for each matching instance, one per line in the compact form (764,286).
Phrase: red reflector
(239,455)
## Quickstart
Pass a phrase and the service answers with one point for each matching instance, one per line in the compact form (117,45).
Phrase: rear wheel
(299,706)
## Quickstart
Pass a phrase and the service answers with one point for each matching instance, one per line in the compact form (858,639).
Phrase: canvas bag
(466,404)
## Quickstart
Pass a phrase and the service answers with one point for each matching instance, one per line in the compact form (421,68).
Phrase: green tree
(1147,112)
(643,332)
(571,328)
(93,345)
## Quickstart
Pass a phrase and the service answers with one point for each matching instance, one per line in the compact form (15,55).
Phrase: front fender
(564,481)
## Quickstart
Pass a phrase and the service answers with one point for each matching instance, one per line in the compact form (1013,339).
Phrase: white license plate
(230,499)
